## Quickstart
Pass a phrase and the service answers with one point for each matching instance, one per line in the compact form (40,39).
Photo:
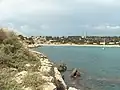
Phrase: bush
(13,41)
(2,35)
(6,82)
(34,80)
(14,55)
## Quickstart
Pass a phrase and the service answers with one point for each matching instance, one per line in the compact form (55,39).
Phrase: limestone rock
(71,88)
(19,76)
(48,79)
(28,88)
(59,77)
(49,86)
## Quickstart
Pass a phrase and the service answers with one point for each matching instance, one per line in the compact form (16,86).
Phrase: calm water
(101,66)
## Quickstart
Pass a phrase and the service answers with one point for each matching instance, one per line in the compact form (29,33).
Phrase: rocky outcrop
(20,76)
(59,78)
(55,79)
(25,69)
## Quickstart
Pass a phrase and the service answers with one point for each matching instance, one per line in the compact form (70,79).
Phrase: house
(102,43)
(111,43)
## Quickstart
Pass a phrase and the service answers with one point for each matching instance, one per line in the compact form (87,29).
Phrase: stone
(48,79)
(49,86)
(59,78)
(75,73)
(19,76)
(71,88)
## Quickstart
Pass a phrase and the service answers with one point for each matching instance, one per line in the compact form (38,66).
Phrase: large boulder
(62,67)
(59,80)
(75,73)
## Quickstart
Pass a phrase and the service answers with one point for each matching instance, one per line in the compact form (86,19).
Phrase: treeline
(87,39)
(115,40)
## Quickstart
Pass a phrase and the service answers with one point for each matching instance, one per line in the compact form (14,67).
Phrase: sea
(100,66)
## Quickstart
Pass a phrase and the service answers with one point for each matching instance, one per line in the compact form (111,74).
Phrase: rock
(48,79)
(75,73)
(19,76)
(71,88)
(59,78)
(45,69)
(27,65)
(62,67)
(28,88)
(49,86)
(60,85)
(46,66)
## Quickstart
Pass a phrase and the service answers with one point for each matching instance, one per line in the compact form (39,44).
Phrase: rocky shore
(46,66)
(24,69)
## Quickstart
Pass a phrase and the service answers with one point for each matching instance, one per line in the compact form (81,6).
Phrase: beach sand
(84,45)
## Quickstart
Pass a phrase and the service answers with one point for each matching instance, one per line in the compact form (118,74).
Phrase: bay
(102,65)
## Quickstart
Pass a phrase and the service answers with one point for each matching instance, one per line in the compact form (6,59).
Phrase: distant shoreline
(84,45)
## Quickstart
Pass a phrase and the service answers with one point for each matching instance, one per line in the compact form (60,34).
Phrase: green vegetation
(80,40)
(34,81)
(26,39)
(13,58)
(13,54)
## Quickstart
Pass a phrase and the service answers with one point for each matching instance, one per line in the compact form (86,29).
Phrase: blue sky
(61,17)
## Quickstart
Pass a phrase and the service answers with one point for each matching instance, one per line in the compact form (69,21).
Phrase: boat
(103,48)
(104,45)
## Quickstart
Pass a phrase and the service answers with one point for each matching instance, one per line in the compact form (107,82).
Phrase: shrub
(14,55)
(34,80)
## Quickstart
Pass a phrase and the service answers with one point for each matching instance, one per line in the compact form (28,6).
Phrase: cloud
(100,2)
(11,8)
(107,27)
(101,27)
(43,27)
(14,8)
(58,16)
(11,27)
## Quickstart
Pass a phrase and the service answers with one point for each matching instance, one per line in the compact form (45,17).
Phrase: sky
(61,17)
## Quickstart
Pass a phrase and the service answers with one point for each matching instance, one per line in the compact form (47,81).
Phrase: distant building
(111,43)
(117,43)
(102,43)
(94,43)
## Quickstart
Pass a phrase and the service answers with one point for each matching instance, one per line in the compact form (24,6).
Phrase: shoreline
(84,45)
(58,75)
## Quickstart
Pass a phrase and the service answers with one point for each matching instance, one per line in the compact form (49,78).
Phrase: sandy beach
(85,45)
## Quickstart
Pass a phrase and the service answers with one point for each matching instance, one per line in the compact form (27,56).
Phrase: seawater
(101,66)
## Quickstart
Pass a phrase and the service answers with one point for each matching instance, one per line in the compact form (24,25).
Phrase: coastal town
(72,40)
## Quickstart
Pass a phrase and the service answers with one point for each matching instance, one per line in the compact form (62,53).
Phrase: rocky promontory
(24,69)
